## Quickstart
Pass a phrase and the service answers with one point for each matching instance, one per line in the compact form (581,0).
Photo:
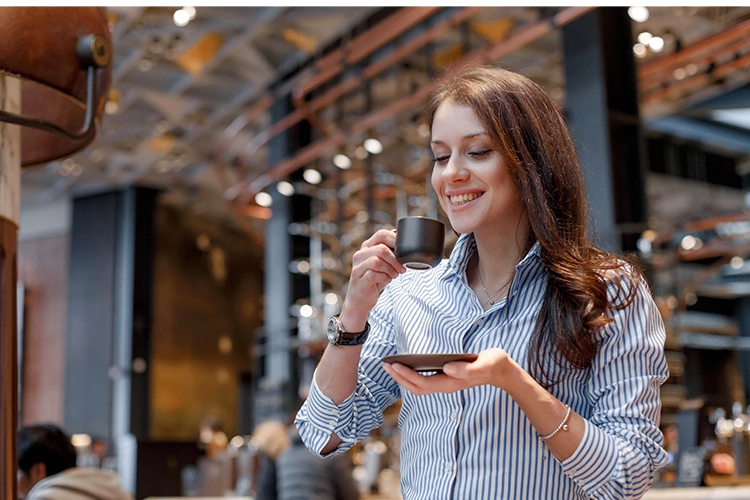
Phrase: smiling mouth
(461,199)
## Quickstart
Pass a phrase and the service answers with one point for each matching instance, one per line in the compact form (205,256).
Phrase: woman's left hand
(492,366)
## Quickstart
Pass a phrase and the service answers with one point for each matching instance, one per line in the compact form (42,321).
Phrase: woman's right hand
(374,265)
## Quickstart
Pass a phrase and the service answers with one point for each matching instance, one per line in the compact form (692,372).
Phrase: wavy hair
(531,135)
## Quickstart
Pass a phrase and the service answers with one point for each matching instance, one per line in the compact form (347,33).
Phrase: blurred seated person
(288,471)
(47,469)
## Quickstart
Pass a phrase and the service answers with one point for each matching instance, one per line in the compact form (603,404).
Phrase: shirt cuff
(320,417)
(594,463)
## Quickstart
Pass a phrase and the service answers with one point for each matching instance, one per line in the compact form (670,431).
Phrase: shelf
(714,342)
(703,322)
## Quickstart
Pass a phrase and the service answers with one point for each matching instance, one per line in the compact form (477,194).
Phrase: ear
(37,472)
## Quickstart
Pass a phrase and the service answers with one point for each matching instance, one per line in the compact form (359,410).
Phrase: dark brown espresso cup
(419,242)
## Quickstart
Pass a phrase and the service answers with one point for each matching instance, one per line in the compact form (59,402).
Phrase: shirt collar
(465,247)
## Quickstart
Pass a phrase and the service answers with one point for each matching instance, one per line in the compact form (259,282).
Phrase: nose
(455,170)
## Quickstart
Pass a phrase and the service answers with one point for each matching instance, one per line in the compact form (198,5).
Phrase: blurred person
(563,400)
(667,475)
(47,469)
(270,439)
(671,439)
(215,469)
(99,449)
(93,454)
(212,439)
(288,471)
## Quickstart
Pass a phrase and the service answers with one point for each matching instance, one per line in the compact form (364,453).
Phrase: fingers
(419,384)
(374,266)
(491,367)
(457,369)
(400,374)
(382,236)
(376,253)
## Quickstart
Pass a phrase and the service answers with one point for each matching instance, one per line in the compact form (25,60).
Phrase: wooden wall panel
(207,303)
(43,268)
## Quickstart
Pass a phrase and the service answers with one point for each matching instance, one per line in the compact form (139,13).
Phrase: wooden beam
(246,190)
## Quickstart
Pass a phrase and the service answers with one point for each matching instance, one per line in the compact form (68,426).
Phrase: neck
(493,267)
(498,253)
(490,297)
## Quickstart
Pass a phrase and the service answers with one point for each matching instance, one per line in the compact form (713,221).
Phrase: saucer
(428,362)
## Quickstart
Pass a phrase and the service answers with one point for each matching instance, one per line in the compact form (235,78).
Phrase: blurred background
(177,274)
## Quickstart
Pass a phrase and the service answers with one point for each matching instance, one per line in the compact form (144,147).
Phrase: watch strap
(349,338)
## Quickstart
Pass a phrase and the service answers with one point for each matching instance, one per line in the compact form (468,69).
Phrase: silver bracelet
(563,425)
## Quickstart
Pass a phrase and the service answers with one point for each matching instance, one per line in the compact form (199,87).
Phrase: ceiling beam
(373,39)
(246,190)
(327,98)
(705,49)
(717,57)
(306,109)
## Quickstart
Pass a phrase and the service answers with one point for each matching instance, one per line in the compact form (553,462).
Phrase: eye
(480,154)
(441,159)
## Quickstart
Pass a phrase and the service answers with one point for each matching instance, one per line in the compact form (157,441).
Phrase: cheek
(437,185)
(436,180)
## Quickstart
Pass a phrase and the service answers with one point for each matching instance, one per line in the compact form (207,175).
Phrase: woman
(563,399)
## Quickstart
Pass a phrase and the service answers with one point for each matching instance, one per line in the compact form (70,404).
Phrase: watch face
(333,330)
(337,335)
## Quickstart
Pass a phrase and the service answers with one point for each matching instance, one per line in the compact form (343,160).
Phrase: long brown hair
(536,146)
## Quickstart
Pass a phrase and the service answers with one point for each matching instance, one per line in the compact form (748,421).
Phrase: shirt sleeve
(622,444)
(362,411)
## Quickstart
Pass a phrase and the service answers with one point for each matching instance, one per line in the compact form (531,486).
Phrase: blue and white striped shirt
(477,443)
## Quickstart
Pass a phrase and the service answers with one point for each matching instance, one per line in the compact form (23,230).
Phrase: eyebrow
(468,136)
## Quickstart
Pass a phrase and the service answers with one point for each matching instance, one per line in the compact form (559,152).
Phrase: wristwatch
(338,336)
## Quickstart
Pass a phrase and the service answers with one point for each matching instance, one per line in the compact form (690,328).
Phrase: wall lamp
(63,57)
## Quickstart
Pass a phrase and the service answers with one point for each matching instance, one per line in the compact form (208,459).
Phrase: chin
(462,226)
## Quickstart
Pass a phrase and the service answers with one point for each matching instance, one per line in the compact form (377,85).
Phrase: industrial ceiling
(191,100)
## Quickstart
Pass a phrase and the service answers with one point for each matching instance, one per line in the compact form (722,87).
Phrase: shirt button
(454,415)
(480,322)
(448,468)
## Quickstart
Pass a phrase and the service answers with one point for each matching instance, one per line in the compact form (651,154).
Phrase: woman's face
(469,175)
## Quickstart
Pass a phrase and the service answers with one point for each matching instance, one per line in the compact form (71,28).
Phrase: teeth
(463,198)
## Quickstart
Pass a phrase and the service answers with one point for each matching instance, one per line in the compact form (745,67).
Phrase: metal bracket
(93,53)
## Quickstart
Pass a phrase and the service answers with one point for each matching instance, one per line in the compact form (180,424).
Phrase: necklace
(489,297)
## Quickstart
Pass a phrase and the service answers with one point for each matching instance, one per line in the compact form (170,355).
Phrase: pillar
(602,111)
(109,314)
(743,322)
(10,211)
(278,373)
